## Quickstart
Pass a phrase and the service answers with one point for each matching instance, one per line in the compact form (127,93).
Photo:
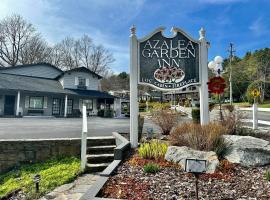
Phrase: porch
(28,103)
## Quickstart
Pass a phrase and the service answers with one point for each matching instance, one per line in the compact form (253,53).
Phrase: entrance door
(56,106)
(9,105)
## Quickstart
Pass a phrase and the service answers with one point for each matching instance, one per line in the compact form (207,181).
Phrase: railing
(84,138)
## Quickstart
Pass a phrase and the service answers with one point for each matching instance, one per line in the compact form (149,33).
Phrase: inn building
(44,90)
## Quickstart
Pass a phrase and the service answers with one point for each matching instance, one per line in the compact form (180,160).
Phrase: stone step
(100,141)
(99,158)
(101,149)
(96,167)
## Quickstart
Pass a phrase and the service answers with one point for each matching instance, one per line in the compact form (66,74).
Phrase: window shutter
(87,82)
(26,102)
(45,103)
(76,81)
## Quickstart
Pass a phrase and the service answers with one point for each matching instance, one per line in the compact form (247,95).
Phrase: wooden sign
(168,63)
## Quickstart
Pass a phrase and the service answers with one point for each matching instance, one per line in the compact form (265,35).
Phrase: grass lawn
(53,173)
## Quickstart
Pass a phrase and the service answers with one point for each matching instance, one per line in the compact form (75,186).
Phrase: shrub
(153,150)
(268,175)
(232,122)
(228,107)
(211,106)
(166,120)
(151,168)
(142,106)
(140,127)
(195,113)
(203,138)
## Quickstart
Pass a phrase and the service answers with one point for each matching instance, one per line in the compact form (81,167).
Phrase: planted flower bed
(229,181)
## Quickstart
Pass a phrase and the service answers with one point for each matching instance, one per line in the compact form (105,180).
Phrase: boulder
(180,154)
(247,151)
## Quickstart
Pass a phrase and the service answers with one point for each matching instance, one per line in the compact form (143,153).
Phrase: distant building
(190,93)
(43,89)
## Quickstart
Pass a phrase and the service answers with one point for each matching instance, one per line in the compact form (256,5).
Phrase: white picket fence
(187,110)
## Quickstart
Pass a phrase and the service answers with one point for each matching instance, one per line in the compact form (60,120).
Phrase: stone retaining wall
(17,152)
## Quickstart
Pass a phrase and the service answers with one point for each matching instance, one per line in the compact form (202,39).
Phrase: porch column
(65,111)
(18,103)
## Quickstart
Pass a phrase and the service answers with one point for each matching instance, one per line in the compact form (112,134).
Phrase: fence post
(84,139)
(255,115)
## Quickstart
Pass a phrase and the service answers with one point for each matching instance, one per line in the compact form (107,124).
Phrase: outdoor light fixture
(216,65)
(196,167)
(36,181)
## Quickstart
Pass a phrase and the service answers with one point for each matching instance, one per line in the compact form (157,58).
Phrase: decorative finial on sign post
(133,30)
(202,33)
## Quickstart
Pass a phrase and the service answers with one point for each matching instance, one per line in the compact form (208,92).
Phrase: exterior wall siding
(43,71)
(69,80)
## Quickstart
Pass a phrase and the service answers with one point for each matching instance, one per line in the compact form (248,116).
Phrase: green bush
(142,107)
(53,173)
(268,175)
(151,168)
(153,150)
(195,113)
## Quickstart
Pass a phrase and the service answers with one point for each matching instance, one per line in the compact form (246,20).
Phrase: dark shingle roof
(84,69)
(29,65)
(33,84)
(92,93)
(17,82)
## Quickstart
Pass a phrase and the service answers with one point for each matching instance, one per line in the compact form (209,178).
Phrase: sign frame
(175,31)
(196,171)
(134,78)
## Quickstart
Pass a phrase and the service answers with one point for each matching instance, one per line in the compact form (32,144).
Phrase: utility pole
(231,53)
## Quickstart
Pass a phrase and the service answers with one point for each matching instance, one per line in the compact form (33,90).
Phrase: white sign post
(84,139)
(255,116)
(204,107)
(134,110)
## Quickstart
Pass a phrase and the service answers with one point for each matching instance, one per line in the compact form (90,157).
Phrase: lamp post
(216,67)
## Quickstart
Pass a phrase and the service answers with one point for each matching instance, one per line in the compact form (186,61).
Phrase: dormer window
(82,81)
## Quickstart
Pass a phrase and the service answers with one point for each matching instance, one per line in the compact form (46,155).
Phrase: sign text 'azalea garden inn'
(168,63)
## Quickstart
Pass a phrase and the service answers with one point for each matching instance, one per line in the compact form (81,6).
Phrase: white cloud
(258,27)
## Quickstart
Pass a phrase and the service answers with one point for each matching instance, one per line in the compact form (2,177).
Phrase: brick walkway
(74,190)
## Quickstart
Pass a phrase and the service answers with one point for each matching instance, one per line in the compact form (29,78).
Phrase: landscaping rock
(180,154)
(247,151)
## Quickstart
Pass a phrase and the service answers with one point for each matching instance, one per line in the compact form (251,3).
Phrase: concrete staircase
(100,153)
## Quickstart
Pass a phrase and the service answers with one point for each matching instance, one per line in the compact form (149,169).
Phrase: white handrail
(84,138)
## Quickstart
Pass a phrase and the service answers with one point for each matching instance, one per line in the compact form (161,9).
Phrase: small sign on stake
(196,167)
(255,93)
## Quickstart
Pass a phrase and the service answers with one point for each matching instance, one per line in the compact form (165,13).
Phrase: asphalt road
(44,128)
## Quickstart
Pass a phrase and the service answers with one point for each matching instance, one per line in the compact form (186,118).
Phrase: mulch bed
(228,183)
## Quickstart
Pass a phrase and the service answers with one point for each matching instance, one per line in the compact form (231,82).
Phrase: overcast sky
(246,23)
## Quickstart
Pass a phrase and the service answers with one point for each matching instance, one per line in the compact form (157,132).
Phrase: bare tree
(100,59)
(82,52)
(54,57)
(15,33)
(36,50)
(86,46)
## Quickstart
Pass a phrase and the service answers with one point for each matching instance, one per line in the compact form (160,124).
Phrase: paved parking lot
(41,128)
